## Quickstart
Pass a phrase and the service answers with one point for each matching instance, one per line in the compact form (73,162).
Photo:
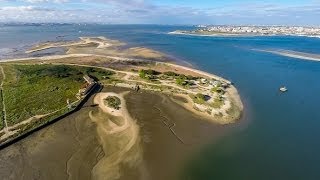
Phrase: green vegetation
(148,74)
(181,76)
(31,90)
(21,129)
(96,73)
(199,98)
(217,90)
(184,80)
(113,102)
(1,105)
(217,103)
(170,73)
(1,113)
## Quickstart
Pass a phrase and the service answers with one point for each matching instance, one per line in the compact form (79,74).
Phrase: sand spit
(208,35)
(293,54)
(231,91)
(100,46)
(119,137)
(101,42)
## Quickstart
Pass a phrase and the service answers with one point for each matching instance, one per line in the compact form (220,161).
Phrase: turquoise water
(278,136)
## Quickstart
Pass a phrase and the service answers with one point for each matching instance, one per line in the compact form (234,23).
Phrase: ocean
(277,137)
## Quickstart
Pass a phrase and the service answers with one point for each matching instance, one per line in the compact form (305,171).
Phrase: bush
(217,103)
(148,74)
(170,73)
(113,102)
(199,98)
(183,80)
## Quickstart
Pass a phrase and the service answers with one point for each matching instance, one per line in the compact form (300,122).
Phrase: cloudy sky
(285,12)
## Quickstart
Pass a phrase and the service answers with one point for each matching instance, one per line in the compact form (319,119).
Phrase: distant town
(254,30)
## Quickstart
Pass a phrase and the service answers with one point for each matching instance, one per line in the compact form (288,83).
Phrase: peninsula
(253,31)
(37,90)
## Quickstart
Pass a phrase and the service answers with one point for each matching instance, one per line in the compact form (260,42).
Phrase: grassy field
(1,106)
(31,90)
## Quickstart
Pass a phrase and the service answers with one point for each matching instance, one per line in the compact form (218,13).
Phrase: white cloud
(142,11)
(43,1)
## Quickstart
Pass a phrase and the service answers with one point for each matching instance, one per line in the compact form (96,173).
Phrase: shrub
(199,98)
(170,73)
(113,102)
(148,74)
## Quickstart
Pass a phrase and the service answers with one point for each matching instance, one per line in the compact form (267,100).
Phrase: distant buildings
(263,30)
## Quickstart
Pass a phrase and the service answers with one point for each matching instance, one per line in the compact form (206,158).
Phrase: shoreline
(231,92)
(229,111)
(237,35)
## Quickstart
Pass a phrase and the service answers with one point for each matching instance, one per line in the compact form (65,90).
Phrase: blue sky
(240,12)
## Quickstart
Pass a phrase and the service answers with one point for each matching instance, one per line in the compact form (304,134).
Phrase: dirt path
(4,118)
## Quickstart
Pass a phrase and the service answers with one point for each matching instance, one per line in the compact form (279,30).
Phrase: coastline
(228,110)
(236,35)
(231,91)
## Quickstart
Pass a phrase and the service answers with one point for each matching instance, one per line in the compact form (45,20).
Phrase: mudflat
(74,148)
(66,149)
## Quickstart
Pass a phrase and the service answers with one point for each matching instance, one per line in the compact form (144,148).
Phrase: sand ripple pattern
(120,140)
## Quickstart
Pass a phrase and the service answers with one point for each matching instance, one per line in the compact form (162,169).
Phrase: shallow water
(156,146)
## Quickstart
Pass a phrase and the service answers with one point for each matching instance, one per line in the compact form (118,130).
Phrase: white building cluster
(264,30)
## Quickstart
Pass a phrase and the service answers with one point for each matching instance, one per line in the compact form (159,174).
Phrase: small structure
(137,88)
(69,104)
(283,89)
(90,83)
(215,83)
(204,81)
(88,79)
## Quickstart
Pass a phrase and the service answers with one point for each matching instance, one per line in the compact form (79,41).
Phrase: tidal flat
(73,148)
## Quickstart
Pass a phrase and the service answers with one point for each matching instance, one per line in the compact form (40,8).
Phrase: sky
(222,12)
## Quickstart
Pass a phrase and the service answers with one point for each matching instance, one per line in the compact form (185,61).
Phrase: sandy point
(100,98)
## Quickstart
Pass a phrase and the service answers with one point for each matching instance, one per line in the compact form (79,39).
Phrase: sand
(120,141)
(160,141)
(293,54)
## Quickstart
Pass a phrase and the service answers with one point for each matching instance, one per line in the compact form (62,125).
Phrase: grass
(31,90)
(1,105)
(1,114)
(198,98)
(217,103)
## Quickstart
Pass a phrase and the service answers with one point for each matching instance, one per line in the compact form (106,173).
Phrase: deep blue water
(281,140)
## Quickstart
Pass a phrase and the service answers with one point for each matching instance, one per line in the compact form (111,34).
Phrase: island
(37,91)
